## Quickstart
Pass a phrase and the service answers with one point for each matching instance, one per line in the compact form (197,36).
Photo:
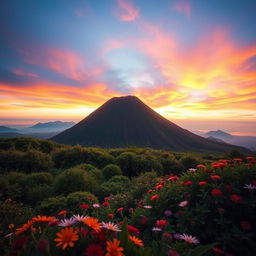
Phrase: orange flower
(113,248)
(92,223)
(136,240)
(66,237)
(43,219)
(24,228)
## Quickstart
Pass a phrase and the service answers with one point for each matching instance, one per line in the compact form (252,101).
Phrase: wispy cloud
(127,11)
(182,6)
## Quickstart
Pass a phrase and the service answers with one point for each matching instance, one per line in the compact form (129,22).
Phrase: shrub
(52,205)
(189,161)
(35,179)
(104,159)
(92,170)
(75,180)
(74,200)
(111,170)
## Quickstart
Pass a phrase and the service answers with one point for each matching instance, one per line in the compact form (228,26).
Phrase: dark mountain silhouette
(7,129)
(127,121)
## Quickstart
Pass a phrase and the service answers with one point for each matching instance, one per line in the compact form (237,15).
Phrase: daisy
(189,239)
(136,240)
(147,206)
(93,223)
(79,218)
(250,186)
(67,222)
(113,248)
(110,226)
(66,237)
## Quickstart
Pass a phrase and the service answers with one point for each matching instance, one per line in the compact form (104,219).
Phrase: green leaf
(201,250)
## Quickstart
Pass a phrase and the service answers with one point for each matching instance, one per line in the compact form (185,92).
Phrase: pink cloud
(129,11)
(20,72)
(182,6)
(65,62)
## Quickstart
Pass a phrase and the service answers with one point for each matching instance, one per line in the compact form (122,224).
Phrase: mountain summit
(127,121)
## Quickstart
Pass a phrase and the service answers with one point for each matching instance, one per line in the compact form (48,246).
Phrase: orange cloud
(182,6)
(44,98)
(128,12)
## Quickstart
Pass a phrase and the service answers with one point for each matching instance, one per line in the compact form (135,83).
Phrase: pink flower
(183,203)
(189,239)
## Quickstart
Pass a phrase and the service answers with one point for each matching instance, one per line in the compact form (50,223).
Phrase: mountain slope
(7,129)
(53,125)
(127,121)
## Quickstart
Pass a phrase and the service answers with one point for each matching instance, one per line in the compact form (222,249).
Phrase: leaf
(201,250)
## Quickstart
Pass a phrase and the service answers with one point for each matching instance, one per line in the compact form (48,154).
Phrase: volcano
(127,121)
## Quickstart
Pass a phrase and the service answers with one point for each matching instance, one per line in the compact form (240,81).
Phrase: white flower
(110,226)
(156,229)
(189,239)
(147,206)
(96,205)
(79,218)
(250,186)
(67,222)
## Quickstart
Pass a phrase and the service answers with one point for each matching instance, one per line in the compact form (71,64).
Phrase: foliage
(111,170)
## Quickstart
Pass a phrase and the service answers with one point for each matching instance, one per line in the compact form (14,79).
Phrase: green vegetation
(210,201)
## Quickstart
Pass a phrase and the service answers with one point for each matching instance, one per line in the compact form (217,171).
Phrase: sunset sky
(193,61)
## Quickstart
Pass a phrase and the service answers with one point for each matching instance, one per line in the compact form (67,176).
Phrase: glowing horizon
(64,60)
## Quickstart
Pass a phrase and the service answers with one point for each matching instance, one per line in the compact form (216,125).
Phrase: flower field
(208,209)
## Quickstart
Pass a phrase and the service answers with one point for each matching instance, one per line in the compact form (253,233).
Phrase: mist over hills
(127,121)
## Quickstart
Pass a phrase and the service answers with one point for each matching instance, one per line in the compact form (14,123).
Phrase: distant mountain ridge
(53,125)
(127,121)
(7,129)
(218,134)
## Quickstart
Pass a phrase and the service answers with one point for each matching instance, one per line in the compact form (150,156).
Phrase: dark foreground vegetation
(130,201)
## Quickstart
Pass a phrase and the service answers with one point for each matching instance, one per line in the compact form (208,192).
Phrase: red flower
(173,178)
(159,186)
(120,209)
(215,177)
(110,215)
(235,198)
(180,213)
(19,243)
(216,192)
(215,165)
(150,191)
(249,158)
(84,206)
(201,166)
(187,183)
(245,225)
(133,230)
(143,220)
(105,204)
(253,182)
(173,253)
(64,212)
(239,160)
(94,250)
(100,235)
(228,187)
(217,250)
(202,183)
(42,245)
(83,231)
(107,198)
(161,223)
(154,197)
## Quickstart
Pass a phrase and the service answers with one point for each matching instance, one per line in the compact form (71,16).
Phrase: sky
(192,61)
